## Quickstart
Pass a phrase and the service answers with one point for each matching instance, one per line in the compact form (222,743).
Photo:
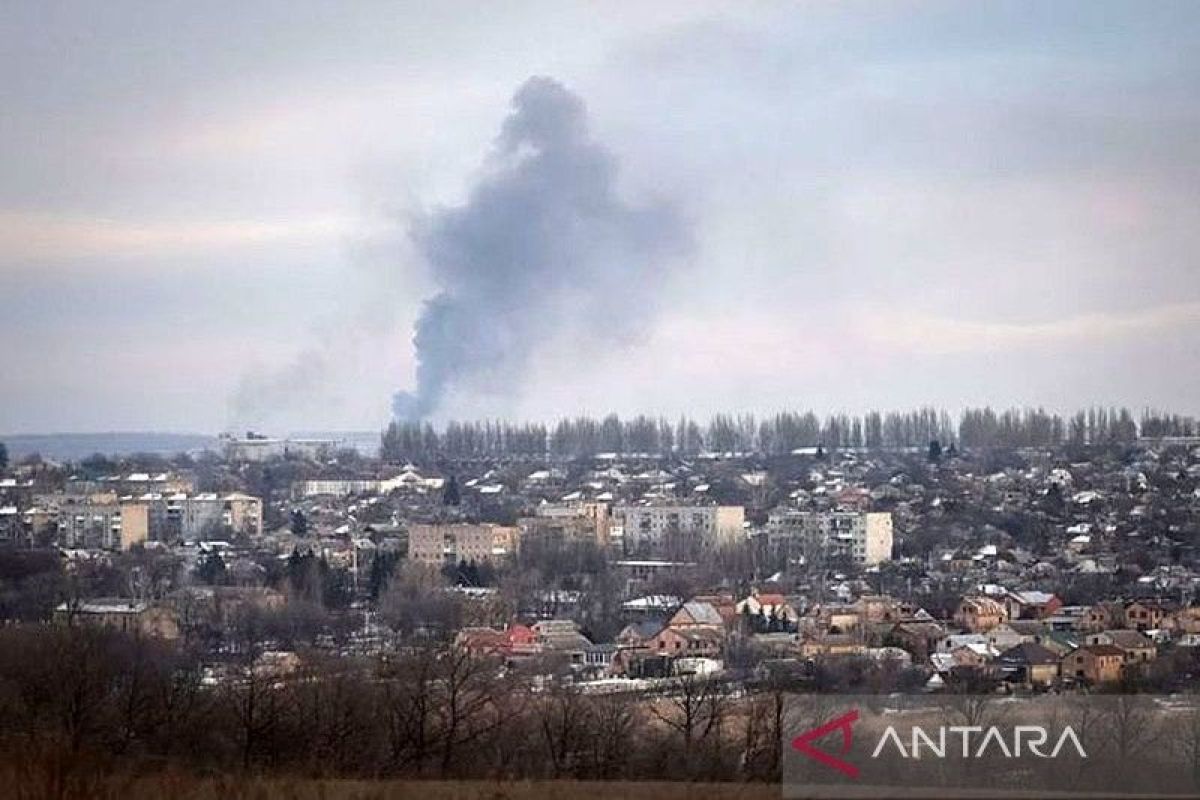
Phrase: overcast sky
(206,208)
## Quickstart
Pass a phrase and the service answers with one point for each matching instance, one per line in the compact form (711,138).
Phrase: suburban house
(1094,663)
(696,614)
(768,606)
(918,638)
(640,633)
(1015,632)
(1031,604)
(1105,615)
(1145,615)
(833,644)
(979,614)
(695,641)
(1137,646)
(1028,663)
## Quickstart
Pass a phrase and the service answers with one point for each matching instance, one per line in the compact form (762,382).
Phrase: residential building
(1137,646)
(93,522)
(255,447)
(435,545)
(105,521)
(129,616)
(863,537)
(1094,663)
(651,525)
(979,614)
(1028,663)
(1146,615)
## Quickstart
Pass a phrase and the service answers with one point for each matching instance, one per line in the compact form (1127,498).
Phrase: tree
(3,457)
(935,451)
(211,570)
(695,710)
(451,495)
(299,523)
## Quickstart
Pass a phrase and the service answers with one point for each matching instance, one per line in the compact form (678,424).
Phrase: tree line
(92,699)
(778,434)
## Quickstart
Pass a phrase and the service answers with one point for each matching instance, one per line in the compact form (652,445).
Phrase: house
(515,640)
(767,612)
(832,644)
(1029,663)
(1185,620)
(641,633)
(953,641)
(918,638)
(561,636)
(689,642)
(1068,618)
(979,614)
(1145,615)
(1094,663)
(480,640)
(1015,632)
(1137,647)
(600,659)
(1060,642)
(874,608)
(834,617)
(766,605)
(1031,604)
(1104,615)
(129,616)
(972,655)
(696,614)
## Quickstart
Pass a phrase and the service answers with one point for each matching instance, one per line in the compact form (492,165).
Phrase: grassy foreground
(186,787)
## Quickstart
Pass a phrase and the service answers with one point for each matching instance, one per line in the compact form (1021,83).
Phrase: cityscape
(495,599)
(554,399)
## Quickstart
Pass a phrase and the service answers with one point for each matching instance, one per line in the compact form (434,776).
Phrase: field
(184,787)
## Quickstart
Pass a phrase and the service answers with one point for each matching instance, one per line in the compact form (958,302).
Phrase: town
(664,564)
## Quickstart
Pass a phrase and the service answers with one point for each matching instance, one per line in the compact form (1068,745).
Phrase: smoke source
(542,248)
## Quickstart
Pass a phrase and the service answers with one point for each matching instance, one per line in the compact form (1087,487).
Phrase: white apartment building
(262,448)
(108,522)
(649,525)
(866,537)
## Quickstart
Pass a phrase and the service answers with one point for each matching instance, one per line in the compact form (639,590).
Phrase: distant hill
(75,446)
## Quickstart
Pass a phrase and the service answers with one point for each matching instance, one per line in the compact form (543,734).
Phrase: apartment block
(864,537)
(650,525)
(435,545)
(104,521)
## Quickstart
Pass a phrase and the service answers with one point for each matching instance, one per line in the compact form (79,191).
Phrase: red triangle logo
(804,743)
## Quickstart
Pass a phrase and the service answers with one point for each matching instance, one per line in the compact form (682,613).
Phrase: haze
(208,212)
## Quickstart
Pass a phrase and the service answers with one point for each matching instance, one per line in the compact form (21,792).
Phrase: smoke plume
(543,248)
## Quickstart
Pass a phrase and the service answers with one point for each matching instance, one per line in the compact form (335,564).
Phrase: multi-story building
(133,483)
(435,545)
(863,537)
(263,448)
(650,525)
(104,521)
(409,480)
(336,487)
(204,515)
(580,521)
(91,521)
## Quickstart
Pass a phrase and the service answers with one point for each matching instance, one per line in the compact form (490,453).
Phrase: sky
(216,215)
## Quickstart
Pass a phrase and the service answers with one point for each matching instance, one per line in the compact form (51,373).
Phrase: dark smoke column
(543,248)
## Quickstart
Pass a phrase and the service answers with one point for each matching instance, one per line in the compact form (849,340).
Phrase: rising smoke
(542,248)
